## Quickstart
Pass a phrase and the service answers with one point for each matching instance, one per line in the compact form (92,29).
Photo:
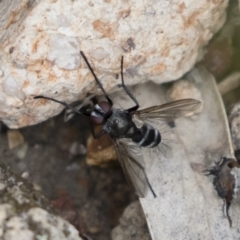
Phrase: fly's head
(225,181)
(118,124)
(100,113)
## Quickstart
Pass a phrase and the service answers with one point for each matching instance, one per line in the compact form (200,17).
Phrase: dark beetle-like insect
(225,182)
(127,137)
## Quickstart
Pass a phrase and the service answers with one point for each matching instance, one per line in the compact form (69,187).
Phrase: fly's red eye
(96,120)
(99,112)
(105,106)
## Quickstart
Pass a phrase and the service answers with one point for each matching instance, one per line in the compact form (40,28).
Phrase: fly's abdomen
(147,137)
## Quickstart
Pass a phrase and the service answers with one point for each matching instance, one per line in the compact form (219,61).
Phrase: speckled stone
(235,126)
(40,44)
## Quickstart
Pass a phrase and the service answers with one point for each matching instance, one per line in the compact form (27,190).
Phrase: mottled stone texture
(132,224)
(235,124)
(40,43)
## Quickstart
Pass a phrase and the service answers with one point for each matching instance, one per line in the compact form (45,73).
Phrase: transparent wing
(131,159)
(169,111)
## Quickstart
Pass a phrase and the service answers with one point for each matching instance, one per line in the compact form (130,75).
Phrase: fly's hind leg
(228,204)
(145,175)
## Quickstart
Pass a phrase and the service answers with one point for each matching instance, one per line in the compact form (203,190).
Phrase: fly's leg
(127,91)
(143,169)
(84,236)
(227,213)
(96,79)
(65,104)
(97,135)
(154,194)
(85,113)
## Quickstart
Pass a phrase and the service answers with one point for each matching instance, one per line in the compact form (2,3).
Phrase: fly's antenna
(97,80)
(63,103)
(127,91)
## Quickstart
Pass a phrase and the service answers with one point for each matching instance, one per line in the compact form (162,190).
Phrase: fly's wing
(131,159)
(169,111)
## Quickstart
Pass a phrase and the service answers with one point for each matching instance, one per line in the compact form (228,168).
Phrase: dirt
(91,198)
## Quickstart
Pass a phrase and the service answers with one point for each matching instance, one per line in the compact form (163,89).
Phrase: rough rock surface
(234,123)
(26,215)
(40,43)
(132,224)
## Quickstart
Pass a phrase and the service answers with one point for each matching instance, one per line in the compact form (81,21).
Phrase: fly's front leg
(128,92)
(64,104)
(97,135)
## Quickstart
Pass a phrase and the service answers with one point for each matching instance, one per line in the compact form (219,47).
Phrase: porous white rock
(132,224)
(34,224)
(40,43)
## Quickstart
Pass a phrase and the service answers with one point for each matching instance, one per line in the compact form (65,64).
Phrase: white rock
(234,123)
(40,43)
(35,224)
(18,229)
(52,224)
(132,224)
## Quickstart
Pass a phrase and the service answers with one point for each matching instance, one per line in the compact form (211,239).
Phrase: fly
(127,137)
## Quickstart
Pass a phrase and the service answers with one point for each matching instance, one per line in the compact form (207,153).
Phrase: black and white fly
(127,137)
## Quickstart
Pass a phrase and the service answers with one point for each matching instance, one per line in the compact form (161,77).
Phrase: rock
(26,215)
(77,149)
(22,151)
(184,89)
(234,120)
(15,138)
(100,151)
(132,224)
(41,40)
(218,58)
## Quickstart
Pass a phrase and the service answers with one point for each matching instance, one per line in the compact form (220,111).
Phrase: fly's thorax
(147,136)
(119,124)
